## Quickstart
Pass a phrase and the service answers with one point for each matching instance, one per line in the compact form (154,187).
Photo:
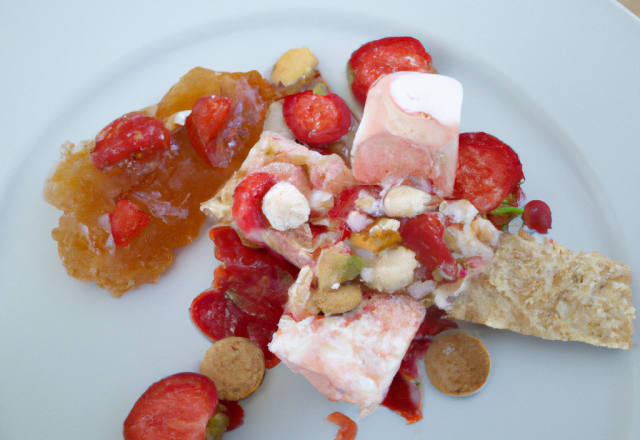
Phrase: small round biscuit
(236,366)
(457,363)
(341,300)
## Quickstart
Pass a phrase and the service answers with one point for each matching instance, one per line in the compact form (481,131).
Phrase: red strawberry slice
(247,202)
(132,137)
(388,55)
(248,293)
(345,201)
(204,123)
(404,398)
(488,171)
(316,119)
(176,407)
(404,395)
(424,235)
(127,222)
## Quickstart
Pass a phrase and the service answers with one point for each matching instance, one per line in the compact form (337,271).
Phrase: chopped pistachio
(337,267)
(217,425)
(321,89)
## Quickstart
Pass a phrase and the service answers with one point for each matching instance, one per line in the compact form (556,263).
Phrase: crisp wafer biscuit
(545,290)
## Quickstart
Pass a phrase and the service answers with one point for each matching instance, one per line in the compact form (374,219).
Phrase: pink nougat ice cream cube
(409,129)
(351,357)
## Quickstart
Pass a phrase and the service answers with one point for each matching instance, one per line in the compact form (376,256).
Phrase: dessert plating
(344,241)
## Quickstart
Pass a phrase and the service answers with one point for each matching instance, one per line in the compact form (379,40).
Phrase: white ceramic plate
(557,82)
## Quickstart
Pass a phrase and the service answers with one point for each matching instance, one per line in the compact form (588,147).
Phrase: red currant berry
(537,216)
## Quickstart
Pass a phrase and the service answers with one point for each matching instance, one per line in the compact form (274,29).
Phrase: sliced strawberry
(345,201)
(204,124)
(404,398)
(247,296)
(316,119)
(424,235)
(404,395)
(127,222)
(488,171)
(434,322)
(133,137)
(215,315)
(230,249)
(247,201)
(388,55)
(257,292)
(408,43)
(176,407)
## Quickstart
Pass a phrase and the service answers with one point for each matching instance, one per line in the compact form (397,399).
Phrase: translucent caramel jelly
(169,189)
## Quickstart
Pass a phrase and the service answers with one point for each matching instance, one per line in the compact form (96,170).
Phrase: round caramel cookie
(457,363)
(236,366)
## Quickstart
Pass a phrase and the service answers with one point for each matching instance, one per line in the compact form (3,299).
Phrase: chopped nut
(217,424)
(299,303)
(321,200)
(293,65)
(336,265)
(381,235)
(176,120)
(485,231)
(384,225)
(445,293)
(219,207)
(236,366)
(392,271)
(464,242)
(285,207)
(341,300)
(404,201)
(369,204)
(458,211)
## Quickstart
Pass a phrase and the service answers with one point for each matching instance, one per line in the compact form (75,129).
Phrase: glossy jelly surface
(169,189)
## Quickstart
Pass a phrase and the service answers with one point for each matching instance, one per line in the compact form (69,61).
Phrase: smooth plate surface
(558,82)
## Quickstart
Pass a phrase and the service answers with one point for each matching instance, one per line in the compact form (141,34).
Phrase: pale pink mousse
(410,129)
(351,357)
